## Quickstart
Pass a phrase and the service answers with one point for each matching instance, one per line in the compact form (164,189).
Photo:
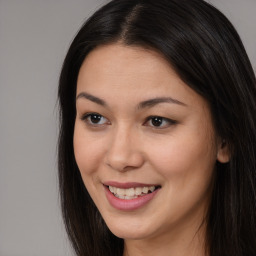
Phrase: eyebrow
(152,102)
(91,98)
(144,104)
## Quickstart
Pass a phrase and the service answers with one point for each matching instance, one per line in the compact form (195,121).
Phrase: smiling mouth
(131,193)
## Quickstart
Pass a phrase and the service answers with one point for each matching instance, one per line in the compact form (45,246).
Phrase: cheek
(187,167)
(183,156)
(88,151)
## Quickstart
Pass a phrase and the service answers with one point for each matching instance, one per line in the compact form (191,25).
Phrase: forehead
(125,60)
(115,70)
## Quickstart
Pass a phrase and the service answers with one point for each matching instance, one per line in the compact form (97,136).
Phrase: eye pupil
(95,118)
(157,121)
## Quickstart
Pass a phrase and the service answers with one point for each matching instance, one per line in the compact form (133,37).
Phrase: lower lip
(129,204)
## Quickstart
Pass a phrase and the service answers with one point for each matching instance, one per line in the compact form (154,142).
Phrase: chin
(129,234)
(129,231)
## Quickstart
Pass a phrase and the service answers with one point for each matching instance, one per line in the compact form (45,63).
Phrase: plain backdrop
(34,37)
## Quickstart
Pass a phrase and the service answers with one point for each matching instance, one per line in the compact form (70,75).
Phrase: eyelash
(163,119)
(86,116)
(169,122)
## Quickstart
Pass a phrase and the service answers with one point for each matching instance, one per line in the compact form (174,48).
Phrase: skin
(125,146)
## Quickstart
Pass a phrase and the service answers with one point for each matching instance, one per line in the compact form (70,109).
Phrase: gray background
(34,37)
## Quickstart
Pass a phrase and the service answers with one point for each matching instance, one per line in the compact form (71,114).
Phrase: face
(144,143)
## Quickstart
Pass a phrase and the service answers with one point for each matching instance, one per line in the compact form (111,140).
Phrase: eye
(159,122)
(94,119)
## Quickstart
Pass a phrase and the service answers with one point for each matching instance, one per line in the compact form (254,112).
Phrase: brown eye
(94,119)
(159,122)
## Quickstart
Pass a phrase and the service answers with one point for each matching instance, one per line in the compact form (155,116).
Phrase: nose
(124,152)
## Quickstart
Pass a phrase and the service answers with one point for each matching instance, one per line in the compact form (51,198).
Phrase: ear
(223,154)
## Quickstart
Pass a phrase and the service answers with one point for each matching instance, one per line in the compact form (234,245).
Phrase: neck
(178,244)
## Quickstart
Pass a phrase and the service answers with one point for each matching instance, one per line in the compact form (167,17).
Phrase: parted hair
(206,52)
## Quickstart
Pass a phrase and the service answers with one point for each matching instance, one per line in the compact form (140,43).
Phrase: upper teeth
(130,193)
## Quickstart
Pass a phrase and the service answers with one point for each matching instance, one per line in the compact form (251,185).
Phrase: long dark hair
(206,52)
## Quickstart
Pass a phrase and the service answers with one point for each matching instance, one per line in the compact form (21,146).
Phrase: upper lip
(128,184)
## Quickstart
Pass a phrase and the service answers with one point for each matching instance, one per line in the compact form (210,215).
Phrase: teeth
(120,192)
(130,197)
(145,190)
(130,193)
(111,189)
(138,191)
(120,196)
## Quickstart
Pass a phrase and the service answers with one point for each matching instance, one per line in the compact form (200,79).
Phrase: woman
(158,133)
